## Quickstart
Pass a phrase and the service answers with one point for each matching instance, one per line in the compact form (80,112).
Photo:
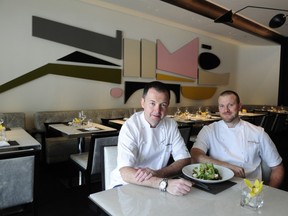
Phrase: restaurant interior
(73,71)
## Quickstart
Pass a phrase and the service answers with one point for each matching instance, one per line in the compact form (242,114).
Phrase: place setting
(83,125)
(4,141)
(209,177)
(199,116)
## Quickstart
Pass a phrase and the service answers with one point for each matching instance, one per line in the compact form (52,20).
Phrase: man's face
(155,105)
(228,108)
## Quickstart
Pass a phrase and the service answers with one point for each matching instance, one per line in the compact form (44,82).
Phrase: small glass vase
(3,135)
(254,202)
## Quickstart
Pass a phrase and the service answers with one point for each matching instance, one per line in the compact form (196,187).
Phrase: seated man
(237,144)
(145,143)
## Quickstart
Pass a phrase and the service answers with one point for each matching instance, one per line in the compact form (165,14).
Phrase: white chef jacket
(139,145)
(244,146)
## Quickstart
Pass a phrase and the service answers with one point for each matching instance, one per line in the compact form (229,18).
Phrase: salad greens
(206,171)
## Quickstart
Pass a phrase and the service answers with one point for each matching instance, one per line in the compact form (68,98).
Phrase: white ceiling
(164,11)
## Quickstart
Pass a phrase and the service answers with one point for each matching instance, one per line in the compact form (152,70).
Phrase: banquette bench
(13,119)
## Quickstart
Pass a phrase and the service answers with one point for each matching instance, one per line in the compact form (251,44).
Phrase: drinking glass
(252,202)
(2,131)
(199,112)
(178,112)
(82,116)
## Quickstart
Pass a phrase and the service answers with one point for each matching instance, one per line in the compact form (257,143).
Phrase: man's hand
(238,171)
(179,187)
(144,174)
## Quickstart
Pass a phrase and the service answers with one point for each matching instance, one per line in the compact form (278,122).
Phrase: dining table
(18,138)
(250,114)
(138,200)
(117,122)
(197,119)
(81,131)
(193,119)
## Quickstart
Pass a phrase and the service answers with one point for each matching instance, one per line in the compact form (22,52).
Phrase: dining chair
(185,131)
(279,123)
(259,120)
(268,122)
(89,162)
(108,163)
(19,181)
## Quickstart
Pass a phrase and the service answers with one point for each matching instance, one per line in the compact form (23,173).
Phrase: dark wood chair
(268,122)
(279,123)
(185,132)
(19,181)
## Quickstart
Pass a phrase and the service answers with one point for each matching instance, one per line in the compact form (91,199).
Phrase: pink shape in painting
(183,61)
(116,92)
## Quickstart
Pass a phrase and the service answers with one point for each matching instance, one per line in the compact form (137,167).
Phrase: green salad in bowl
(206,171)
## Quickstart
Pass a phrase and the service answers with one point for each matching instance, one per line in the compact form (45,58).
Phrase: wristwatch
(163,184)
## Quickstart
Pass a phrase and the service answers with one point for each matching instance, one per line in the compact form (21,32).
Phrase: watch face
(163,185)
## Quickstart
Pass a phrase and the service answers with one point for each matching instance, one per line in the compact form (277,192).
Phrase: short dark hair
(230,92)
(159,86)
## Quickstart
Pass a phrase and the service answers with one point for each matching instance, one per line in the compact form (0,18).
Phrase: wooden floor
(57,198)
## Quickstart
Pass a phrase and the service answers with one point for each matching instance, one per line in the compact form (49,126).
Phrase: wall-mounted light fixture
(277,21)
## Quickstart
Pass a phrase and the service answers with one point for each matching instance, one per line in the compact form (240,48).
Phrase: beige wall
(254,70)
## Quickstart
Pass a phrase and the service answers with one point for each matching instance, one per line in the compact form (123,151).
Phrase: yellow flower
(255,188)
(76,120)
(2,127)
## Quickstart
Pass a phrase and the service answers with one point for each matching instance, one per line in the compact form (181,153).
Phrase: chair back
(279,123)
(97,141)
(108,164)
(268,122)
(258,120)
(19,178)
(185,132)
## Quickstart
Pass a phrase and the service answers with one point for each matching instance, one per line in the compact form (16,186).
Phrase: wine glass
(82,116)
(178,112)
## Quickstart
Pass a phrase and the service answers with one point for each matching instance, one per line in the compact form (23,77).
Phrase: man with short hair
(146,142)
(237,144)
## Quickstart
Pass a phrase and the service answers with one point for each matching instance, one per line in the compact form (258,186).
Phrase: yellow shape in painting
(197,93)
(172,78)
(209,78)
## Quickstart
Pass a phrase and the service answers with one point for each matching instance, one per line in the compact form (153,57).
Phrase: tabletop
(117,121)
(21,138)
(197,119)
(82,130)
(248,114)
(138,200)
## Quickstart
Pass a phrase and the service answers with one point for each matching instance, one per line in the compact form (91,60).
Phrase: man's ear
(240,106)
(142,102)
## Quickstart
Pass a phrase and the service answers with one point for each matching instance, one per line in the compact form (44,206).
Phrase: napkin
(4,143)
(91,128)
